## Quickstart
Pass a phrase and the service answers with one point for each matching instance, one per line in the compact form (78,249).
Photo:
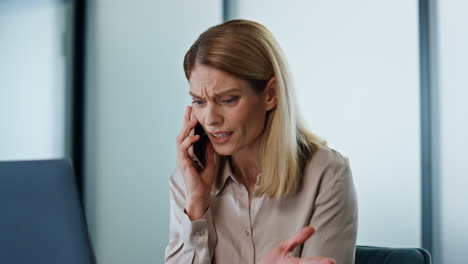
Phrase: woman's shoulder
(328,156)
(329,163)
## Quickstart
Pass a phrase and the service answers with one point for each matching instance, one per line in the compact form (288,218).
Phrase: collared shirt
(231,232)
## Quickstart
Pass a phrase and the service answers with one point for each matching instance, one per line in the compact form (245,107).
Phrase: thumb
(300,237)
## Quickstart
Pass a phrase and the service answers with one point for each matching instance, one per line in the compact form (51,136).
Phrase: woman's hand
(280,254)
(198,184)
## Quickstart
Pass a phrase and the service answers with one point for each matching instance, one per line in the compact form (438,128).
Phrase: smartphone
(198,150)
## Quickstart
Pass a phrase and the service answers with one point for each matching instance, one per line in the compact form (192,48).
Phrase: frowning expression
(229,110)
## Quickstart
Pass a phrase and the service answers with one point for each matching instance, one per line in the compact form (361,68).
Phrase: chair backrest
(384,255)
(41,217)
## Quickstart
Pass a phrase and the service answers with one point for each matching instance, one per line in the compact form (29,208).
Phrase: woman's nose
(213,116)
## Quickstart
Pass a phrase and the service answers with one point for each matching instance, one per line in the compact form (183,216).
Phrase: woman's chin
(223,150)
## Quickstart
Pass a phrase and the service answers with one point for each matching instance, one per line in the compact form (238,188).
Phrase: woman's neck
(246,165)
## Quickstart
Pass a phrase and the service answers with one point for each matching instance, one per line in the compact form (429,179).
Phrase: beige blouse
(231,232)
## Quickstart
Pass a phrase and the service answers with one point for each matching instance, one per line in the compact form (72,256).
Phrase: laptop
(41,217)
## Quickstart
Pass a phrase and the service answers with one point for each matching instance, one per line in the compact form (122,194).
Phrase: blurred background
(101,83)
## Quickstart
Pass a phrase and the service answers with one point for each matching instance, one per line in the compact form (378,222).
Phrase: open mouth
(221,135)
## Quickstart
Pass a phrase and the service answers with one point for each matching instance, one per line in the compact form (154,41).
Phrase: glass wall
(452,56)
(33,79)
(136,95)
(356,72)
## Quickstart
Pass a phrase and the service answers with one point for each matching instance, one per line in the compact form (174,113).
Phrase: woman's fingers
(280,253)
(184,140)
(300,237)
(187,142)
(184,160)
(314,260)
(186,130)
(187,125)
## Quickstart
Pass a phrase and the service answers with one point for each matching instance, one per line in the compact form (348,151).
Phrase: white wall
(32,80)
(355,65)
(136,96)
(453,84)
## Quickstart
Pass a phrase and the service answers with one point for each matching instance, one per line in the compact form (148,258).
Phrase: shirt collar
(227,175)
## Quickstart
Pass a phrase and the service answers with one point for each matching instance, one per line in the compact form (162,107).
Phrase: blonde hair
(248,50)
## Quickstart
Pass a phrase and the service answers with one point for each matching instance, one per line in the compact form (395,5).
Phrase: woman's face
(228,109)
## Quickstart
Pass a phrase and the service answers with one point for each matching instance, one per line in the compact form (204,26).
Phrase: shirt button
(242,194)
(201,234)
(247,233)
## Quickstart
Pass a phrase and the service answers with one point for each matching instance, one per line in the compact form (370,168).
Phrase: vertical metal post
(230,9)
(429,123)
(78,91)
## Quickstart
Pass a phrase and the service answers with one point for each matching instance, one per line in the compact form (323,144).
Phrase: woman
(266,177)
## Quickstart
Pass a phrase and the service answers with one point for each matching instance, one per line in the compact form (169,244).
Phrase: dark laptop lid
(41,218)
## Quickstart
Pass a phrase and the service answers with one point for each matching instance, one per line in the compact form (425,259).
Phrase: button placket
(245,211)
(244,228)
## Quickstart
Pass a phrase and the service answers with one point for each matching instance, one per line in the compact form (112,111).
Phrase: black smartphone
(198,150)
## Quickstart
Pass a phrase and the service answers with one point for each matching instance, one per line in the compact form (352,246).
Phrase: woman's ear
(271,95)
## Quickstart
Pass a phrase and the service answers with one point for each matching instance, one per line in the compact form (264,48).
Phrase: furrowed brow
(218,93)
(227,91)
(194,95)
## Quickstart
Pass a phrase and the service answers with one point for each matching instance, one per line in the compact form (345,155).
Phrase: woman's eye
(198,102)
(230,100)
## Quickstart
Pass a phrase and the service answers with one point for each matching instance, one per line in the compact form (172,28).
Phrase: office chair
(383,255)
(41,218)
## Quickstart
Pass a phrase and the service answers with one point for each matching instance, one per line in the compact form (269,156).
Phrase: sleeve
(335,216)
(188,240)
